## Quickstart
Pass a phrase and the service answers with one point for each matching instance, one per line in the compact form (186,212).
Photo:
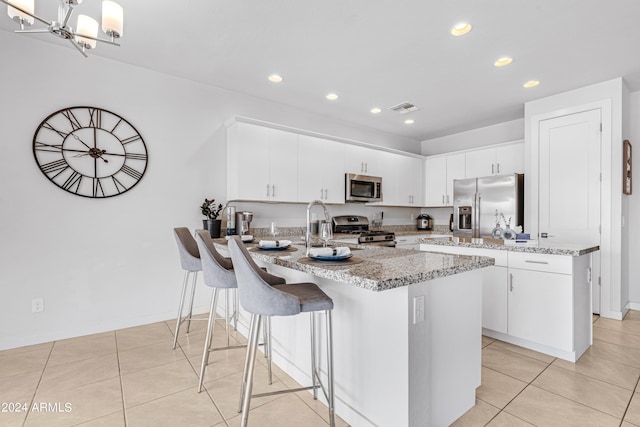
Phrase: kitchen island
(537,295)
(407,332)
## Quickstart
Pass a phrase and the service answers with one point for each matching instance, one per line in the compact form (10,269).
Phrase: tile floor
(132,377)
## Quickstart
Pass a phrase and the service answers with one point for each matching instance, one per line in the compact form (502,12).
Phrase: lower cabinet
(537,301)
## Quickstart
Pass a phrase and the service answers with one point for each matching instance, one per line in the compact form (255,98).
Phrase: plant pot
(213,226)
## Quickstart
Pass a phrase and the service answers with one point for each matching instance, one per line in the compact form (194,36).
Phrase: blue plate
(275,248)
(330,257)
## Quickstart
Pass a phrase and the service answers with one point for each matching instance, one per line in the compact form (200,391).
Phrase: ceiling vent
(404,108)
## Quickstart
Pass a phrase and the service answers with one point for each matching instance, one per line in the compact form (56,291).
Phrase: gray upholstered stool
(190,262)
(218,273)
(261,299)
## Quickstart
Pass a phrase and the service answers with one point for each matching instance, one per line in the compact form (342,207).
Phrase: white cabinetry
(500,160)
(262,163)
(401,179)
(321,170)
(440,173)
(362,160)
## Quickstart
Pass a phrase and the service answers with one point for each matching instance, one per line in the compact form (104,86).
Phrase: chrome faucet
(307,239)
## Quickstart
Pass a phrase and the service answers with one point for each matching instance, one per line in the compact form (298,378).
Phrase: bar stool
(218,273)
(191,264)
(261,299)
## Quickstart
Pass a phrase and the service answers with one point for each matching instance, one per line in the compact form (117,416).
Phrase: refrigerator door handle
(476,225)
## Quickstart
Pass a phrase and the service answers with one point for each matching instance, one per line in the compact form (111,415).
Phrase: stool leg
(193,294)
(331,403)
(247,376)
(314,368)
(267,345)
(226,315)
(207,343)
(179,320)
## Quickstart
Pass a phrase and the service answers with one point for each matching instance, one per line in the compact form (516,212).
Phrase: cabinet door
(333,174)
(480,163)
(494,298)
(391,179)
(414,180)
(250,154)
(455,170)
(540,308)
(362,160)
(435,181)
(510,159)
(311,165)
(283,165)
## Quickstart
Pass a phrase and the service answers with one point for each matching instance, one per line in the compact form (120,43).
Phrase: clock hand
(78,138)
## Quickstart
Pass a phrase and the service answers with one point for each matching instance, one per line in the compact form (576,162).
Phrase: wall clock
(90,152)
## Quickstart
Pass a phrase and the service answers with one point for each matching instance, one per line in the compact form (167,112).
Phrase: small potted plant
(211,212)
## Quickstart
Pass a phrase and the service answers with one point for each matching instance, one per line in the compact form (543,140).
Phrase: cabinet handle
(273,190)
(492,168)
(497,167)
(447,199)
(536,262)
(443,199)
(361,166)
(510,282)
(267,190)
(366,166)
(325,194)
(321,193)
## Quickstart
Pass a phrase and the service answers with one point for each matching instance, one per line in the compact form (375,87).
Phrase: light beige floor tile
(225,391)
(542,408)
(193,345)
(504,419)
(479,415)
(26,349)
(630,325)
(25,362)
(589,391)
(498,389)
(147,357)
(87,403)
(76,374)
(594,317)
(74,350)
(633,412)
(90,337)
(486,341)
(512,364)
(624,339)
(606,370)
(616,353)
(198,324)
(221,363)
(627,424)
(150,384)
(287,411)
(144,335)
(115,419)
(196,409)
(524,351)
(16,392)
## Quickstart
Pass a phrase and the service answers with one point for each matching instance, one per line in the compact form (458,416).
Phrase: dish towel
(337,251)
(274,243)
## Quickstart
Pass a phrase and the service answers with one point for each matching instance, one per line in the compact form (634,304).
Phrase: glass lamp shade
(16,15)
(89,27)
(112,18)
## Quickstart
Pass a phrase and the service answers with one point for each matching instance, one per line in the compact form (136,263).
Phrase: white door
(569,181)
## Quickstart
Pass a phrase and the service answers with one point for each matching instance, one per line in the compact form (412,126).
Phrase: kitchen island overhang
(407,333)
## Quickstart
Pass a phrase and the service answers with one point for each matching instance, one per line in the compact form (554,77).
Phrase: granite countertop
(382,268)
(542,247)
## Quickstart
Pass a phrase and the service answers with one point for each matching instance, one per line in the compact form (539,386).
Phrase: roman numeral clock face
(90,152)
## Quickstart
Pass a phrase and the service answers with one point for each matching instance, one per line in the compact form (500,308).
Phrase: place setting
(325,255)
(274,245)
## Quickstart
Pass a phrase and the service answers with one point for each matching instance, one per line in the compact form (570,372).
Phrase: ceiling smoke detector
(404,108)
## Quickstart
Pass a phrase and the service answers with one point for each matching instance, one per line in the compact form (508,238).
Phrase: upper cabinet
(501,160)
(262,163)
(362,160)
(401,180)
(440,172)
(321,170)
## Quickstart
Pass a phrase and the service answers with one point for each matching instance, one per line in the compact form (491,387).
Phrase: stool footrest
(231,347)
(289,390)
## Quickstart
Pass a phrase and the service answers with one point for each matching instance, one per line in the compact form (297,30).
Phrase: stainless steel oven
(363,188)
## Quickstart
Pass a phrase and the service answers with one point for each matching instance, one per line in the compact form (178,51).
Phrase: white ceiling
(381,53)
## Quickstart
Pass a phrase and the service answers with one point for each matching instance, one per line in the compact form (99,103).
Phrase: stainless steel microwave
(363,188)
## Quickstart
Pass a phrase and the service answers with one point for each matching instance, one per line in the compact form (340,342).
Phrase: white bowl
(247,238)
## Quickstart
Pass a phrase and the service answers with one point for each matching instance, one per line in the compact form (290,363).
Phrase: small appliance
(363,188)
(424,222)
(243,223)
(356,224)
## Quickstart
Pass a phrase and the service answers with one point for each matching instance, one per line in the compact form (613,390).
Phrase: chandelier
(84,37)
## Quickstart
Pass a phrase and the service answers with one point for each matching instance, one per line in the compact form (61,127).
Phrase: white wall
(106,264)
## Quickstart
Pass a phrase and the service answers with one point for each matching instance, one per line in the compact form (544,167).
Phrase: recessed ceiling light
(461,29)
(505,60)
(531,83)
(376,110)
(275,78)
(409,122)
(332,97)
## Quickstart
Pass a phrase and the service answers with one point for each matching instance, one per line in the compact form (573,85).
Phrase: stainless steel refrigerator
(477,200)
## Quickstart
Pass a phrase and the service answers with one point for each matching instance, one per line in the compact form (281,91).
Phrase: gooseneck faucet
(327,218)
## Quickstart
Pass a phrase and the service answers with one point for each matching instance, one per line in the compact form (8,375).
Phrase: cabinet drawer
(562,264)
(498,255)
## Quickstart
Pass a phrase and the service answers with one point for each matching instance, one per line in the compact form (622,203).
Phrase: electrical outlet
(37,305)
(418,309)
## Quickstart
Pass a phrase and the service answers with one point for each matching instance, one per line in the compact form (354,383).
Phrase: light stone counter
(542,247)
